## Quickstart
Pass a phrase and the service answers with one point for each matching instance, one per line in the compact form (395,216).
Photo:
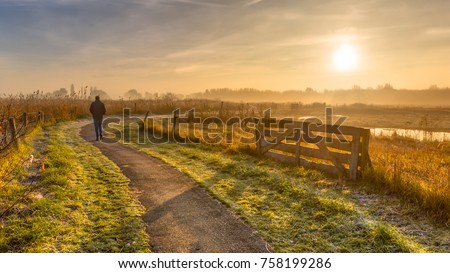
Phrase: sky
(186,46)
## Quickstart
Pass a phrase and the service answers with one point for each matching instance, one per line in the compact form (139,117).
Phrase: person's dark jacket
(97,109)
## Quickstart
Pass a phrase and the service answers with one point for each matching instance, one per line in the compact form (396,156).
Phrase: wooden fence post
(4,139)
(40,117)
(24,119)
(355,156)
(12,127)
(258,137)
(366,162)
(4,127)
(221,109)
(298,150)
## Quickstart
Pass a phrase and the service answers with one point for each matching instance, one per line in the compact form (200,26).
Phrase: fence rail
(339,150)
(13,128)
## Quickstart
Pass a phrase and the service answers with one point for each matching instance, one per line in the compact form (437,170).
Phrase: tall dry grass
(418,171)
(54,108)
(70,107)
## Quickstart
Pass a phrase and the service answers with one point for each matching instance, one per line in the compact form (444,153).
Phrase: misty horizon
(381,95)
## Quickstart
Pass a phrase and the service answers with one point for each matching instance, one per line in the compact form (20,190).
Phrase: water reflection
(414,134)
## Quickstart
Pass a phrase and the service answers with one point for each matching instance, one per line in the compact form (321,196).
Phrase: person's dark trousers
(98,128)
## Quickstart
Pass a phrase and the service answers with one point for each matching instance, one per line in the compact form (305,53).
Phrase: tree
(96,92)
(132,94)
(169,96)
(433,87)
(148,96)
(60,93)
(72,91)
(388,86)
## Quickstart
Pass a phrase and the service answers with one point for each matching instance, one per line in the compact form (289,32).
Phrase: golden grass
(72,107)
(417,171)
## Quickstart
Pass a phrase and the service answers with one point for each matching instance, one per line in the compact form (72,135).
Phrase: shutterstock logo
(191,128)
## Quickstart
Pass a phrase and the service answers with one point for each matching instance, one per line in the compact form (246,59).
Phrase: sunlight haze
(187,46)
(345,58)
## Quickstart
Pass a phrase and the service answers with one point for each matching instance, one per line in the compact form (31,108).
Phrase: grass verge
(81,203)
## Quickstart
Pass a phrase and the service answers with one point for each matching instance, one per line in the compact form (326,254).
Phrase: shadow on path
(181,217)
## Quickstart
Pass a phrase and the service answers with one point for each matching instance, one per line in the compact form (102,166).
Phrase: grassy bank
(80,203)
(418,172)
(295,209)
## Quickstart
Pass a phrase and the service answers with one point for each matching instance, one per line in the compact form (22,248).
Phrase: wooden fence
(339,150)
(13,128)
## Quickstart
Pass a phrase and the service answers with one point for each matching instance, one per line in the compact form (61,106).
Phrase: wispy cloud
(227,38)
(251,2)
(202,3)
(192,52)
(193,68)
(439,31)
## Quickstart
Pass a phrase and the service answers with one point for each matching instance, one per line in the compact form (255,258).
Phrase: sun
(345,58)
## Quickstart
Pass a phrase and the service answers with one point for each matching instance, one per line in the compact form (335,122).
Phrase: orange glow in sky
(186,46)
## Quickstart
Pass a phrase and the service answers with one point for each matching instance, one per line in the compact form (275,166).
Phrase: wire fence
(14,128)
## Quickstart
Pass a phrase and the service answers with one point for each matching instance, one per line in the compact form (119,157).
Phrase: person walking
(97,110)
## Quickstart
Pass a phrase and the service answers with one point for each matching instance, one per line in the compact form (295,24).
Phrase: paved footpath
(181,217)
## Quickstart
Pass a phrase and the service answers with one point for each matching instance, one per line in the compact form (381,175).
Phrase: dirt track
(181,217)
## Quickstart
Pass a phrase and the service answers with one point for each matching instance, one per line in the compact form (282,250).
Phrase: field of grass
(81,203)
(300,210)
(418,172)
